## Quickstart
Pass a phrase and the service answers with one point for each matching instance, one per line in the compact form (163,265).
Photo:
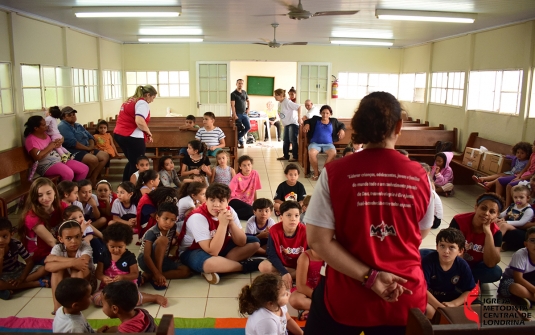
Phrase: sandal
(314,178)
(44,282)
(141,279)
(477,179)
(158,287)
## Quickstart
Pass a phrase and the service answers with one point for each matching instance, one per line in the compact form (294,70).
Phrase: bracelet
(369,279)
(38,152)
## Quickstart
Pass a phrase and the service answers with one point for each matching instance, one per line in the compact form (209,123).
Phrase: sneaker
(212,278)
(282,158)
(526,302)
(65,158)
(251,264)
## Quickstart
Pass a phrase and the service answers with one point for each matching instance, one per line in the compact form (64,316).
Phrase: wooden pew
(463,174)
(16,161)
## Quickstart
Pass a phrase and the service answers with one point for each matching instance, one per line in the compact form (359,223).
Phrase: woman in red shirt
(379,205)
(132,130)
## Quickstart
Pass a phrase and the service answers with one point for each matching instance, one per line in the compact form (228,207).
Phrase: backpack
(443,146)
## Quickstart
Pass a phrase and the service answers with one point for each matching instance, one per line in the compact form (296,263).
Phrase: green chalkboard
(260,85)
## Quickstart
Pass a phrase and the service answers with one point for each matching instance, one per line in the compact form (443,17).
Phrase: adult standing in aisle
(239,102)
(132,130)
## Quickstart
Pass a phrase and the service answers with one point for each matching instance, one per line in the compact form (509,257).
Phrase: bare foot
(161,300)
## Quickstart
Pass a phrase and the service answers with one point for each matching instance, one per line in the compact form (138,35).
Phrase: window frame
(7,87)
(112,85)
(414,87)
(358,84)
(497,99)
(66,88)
(447,87)
(89,81)
(154,78)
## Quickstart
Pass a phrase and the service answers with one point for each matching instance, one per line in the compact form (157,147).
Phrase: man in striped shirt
(212,136)
(15,275)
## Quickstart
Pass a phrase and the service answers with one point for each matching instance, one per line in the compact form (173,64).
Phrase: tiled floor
(194,297)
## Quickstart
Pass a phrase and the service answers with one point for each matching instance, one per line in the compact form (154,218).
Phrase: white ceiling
(246,21)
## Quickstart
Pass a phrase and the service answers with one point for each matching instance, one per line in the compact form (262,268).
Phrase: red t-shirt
(33,243)
(378,198)
(143,218)
(212,227)
(126,121)
(289,249)
(142,322)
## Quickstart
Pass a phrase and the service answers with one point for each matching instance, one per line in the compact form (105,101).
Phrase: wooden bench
(16,161)
(462,173)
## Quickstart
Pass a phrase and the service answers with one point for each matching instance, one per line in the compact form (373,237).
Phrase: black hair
(84,182)
(68,224)
(167,207)
(290,167)
(128,186)
(71,290)
(5,224)
(265,288)
(161,163)
(32,123)
(287,205)
(210,115)
(524,146)
(494,196)
(451,235)
(123,294)
(69,210)
(444,158)
(190,117)
(375,118)
(55,112)
(326,107)
(348,150)
(118,232)
(262,203)
(244,158)
(142,158)
(529,231)
(292,90)
(190,188)
(145,177)
(163,194)
(218,191)
(66,187)
(238,80)
(199,146)
(100,123)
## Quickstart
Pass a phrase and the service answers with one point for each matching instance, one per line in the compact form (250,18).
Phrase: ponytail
(265,288)
(199,146)
(246,301)
(141,91)
(145,177)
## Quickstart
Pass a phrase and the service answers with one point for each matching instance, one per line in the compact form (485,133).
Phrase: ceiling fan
(274,43)
(299,13)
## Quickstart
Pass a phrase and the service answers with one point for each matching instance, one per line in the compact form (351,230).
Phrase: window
(85,84)
(56,86)
(495,91)
(6,94)
(31,87)
(412,87)
(358,85)
(111,81)
(167,83)
(447,88)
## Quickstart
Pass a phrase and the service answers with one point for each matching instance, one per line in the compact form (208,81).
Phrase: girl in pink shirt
(243,188)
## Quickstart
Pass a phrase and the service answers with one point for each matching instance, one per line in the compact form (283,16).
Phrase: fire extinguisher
(334,88)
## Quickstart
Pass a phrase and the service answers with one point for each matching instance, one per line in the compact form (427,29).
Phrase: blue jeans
(290,136)
(244,119)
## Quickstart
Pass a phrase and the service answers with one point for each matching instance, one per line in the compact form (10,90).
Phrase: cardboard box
(493,163)
(472,157)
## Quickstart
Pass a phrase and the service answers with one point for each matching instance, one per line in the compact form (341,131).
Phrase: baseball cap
(68,110)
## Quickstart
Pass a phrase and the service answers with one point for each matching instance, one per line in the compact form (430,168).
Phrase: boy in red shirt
(287,241)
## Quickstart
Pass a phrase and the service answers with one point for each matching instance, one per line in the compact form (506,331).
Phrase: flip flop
(476,179)
(157,287)
(44,282)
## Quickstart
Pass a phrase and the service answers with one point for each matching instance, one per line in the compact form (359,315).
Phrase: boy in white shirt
(212,136)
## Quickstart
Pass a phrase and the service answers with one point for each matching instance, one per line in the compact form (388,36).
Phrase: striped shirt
(210,138)
(11,259)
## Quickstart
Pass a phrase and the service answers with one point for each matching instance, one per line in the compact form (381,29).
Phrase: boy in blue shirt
(449,278)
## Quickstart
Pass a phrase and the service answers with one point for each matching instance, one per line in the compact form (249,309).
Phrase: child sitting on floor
(449,278)
(519,277)
(515,217)
(89,203)
(142,164)
(442,174)
(212,233)
(147,182)
(265,302)
(15,275)
(74,295)
(196,164)
(148,206)
(90,234)
(291,189)
(68,191)
(307,277)
(123,209)
(105,198)
(119,302)
(439,209)
(287,240)
(191,195)
(222,172)
(154,257)
(72,257)
(258,225)
(118,263)
(243,188)
(167,172)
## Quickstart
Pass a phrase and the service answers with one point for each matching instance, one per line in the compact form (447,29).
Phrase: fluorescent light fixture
(416,15)
(362,41)
(363,33)
(125,11)
(170,39)
(170,31)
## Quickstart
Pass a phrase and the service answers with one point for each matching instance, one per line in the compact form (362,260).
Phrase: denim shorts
(212,153)
(167,265)
(195,259)
(321,147)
